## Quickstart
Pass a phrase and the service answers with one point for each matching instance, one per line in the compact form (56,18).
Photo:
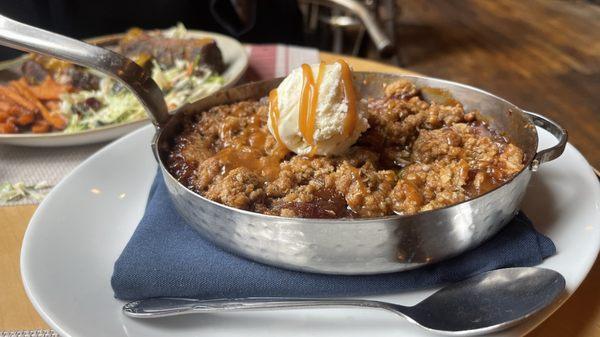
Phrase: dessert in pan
(405,178)
(314,148)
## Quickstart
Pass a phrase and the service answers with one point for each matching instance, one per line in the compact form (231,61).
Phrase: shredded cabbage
(177,32)
(184,82)
(20,190)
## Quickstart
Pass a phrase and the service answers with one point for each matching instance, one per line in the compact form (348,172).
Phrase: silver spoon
(485,303)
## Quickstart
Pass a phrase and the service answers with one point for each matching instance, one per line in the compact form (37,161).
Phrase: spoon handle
(27,38)
(162,307)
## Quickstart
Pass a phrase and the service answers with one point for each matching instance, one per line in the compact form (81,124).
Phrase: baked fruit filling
(414,155)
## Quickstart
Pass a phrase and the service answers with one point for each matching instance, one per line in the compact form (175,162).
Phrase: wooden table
(579,317)
(541,55)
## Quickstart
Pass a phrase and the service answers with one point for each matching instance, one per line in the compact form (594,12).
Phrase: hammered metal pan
(341,246)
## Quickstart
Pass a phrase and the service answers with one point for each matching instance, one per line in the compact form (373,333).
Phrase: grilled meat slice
(39,67)
(33,72)
(167,50)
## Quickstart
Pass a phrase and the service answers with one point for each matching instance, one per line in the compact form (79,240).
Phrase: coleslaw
(112,103)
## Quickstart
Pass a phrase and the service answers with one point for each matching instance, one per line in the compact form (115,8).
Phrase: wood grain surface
(578,317)
(542,55)
(16,312)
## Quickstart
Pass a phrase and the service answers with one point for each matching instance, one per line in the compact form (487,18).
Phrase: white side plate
(81,227)
(234,56)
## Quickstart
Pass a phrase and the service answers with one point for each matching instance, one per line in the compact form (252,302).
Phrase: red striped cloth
(275,60)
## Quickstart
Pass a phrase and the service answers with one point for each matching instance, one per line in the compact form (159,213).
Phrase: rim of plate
(28,232)
(240,62)
(70,134)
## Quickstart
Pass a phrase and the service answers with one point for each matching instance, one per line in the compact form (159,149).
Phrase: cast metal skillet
(342,246)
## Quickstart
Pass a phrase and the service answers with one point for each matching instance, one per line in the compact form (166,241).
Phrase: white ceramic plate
(82,226)
(234,56)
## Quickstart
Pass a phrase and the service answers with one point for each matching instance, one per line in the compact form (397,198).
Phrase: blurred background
(541,55)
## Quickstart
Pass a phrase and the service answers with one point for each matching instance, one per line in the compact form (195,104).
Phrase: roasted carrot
(47,90)
(5,105)
(52,105)
(25,118)
(40,126)
(9,126)
(11,94)
(12,108)
(21,114)
(190,69)
(55,119)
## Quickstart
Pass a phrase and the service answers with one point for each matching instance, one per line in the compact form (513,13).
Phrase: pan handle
(557,131)
(20,36)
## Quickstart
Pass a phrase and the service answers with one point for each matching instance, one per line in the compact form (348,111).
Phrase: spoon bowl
(489,302)
(485,303)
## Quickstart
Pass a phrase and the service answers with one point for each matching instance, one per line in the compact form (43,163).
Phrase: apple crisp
(416,156)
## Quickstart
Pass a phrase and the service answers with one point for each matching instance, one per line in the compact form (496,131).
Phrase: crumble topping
(416,156)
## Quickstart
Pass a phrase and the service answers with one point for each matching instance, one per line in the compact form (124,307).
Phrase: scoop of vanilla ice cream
(331,112)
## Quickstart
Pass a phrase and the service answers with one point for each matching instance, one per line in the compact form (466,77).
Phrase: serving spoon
(485,303)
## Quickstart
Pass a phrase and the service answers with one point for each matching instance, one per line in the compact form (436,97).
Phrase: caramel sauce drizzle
(274,115)
(312,113)
(242,153)
(309,100)
(308,82)
(247,148)
(250,158)
(351,115)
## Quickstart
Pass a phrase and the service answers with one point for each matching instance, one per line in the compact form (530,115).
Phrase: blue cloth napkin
(167,258)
